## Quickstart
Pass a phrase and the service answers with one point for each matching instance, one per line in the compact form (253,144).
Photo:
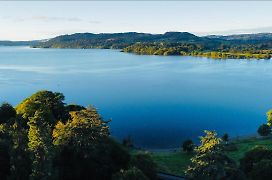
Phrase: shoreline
(177,149)
(238,55)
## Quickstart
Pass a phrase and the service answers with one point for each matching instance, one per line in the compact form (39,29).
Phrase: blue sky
(41,20)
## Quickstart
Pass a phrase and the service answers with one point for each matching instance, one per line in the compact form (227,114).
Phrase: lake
(158,100)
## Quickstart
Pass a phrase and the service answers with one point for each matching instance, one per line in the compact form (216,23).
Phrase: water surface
(159,101)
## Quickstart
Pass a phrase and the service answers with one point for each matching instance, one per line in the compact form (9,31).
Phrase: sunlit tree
(209,161)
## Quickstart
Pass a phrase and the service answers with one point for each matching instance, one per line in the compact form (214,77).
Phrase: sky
(31,20)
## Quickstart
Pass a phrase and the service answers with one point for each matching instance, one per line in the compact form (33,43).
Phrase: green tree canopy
(269,117)
(7,112)
(188,146)
(83,129)
(85,149)
(209,161)
(53,101)
(264,130)
(40,144)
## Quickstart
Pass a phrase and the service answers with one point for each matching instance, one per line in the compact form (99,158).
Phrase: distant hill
(19,43)
(246,46)
(123,40)
(116,40)
(253,38)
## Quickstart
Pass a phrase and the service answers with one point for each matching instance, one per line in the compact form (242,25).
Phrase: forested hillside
(170,43)
(18,43)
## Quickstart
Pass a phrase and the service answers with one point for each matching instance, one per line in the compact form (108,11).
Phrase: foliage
(50,100)
(130,174)
(145,163)
(264,130)
(86,151)
(199,49)
(113,41)
(86,125)
(225,137)
(4,161)
(176,162)
(13,140)
(249,163)
(210,162)
(7,112)
(107,158)
(20,155)
(269,118)
(74,107)
(209,143)
(40,145)
(188,146)
(262,170)
(44,139)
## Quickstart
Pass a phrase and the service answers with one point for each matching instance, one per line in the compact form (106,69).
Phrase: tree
(225,138)
(40,144)
(4,161)
(13,138)
(264,130)
(269,117)
(19,153)
(210,162)
(86,125)
(37,142)
(85,149)
(74,107)
(53,101)
(188,146)
(7,112)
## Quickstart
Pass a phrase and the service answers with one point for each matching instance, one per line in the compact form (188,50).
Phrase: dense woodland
(43,138)
(246,46)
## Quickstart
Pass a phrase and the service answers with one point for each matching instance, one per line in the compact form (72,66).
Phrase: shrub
(252,158)
(264,130)
(145,163)
(188,146)
(130,174)
(262,170)
(128,142)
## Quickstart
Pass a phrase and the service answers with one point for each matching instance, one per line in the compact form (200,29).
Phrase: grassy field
(175,162)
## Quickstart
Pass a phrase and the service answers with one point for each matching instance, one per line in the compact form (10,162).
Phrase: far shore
(231,140)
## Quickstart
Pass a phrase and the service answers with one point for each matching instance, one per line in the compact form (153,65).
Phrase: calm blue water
(159,101)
